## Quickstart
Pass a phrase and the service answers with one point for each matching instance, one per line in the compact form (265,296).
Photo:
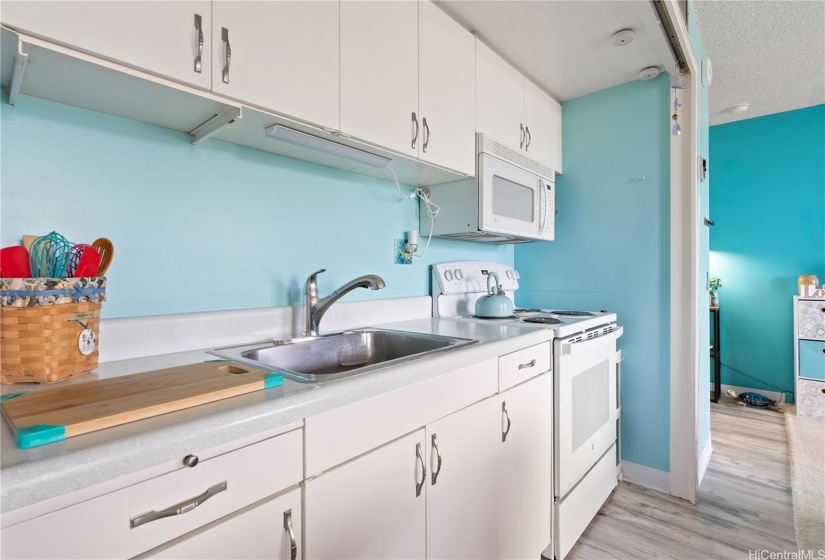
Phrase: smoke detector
(622,38)
(739,109)
(649,73)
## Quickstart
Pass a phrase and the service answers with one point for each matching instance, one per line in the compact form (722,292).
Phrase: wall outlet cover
(401,256)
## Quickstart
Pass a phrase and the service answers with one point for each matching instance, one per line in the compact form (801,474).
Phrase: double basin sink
(315,359)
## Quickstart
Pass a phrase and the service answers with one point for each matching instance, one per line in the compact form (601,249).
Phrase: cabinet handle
(507,416)
(227,56)
(178,509)
(426,134)
(438,454)
(529,364)
(529,138)
(420,458)
(521,136)
(415,134)
(199,27)
(293,546)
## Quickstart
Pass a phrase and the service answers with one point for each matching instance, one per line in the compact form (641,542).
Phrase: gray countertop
(30,476)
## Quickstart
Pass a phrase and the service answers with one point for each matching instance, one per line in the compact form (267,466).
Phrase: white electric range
(586,370)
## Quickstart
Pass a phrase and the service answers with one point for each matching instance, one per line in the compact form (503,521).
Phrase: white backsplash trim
(138,337)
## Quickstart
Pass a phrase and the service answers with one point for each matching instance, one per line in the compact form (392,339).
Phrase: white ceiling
(770,54)
(564,45)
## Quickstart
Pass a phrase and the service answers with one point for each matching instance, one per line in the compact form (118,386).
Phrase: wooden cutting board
(57,413)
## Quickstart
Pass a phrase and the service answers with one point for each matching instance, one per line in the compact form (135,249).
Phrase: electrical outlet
(401,255)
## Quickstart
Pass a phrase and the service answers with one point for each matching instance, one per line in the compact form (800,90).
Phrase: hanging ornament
(676,130)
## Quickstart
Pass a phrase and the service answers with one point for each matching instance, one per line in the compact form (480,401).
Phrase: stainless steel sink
(324,358)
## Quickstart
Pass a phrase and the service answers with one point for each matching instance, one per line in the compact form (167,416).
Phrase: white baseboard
(773,395)
(646,476)
(704,459)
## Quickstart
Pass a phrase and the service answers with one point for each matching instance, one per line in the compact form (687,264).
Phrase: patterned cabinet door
(811,399)
(812,319)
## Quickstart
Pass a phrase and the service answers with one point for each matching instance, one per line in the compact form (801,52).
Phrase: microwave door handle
(542,206)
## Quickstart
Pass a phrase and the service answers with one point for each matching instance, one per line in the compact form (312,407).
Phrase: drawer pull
(438,454)
(178,509)
(529,364)
(199,27)
(293,546)
(420,459)
(227,54)
(507,416)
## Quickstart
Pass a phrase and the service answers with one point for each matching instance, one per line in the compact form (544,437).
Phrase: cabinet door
(526,469)
(542,117)
(379,73)
(499,98)
(264,532)
(462,514)
(371,507)
(284,57)
(158,37)
(446,90)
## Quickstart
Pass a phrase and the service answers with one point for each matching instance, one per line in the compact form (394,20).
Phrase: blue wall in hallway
(768,201)
(612,248)
(207,227)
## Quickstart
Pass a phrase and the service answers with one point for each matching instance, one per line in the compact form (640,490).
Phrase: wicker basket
(40,334)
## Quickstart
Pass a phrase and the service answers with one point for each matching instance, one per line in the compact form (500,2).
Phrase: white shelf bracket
(213,125)
(21,60)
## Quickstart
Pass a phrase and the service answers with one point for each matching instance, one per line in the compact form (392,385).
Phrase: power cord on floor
(791,393)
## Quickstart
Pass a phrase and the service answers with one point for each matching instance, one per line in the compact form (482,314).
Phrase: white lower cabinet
(526,469)
(371,507)
(270,530)
(462,512)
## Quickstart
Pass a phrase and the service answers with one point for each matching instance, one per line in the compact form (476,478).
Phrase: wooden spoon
(107,252)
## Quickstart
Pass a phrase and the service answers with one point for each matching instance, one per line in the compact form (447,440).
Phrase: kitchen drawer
(522,365)
(812,359)
(810,400)
(811,318)
(102,527)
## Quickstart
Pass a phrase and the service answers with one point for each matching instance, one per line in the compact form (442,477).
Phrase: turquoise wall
(612,247)
(207,227)
(768,201)
(703,410)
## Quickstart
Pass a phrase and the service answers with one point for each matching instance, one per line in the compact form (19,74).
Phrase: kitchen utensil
(88,263)
(42,417)
(495,304)
(28,240)
(74,258)
(107,253)
(14,262)
(50,255)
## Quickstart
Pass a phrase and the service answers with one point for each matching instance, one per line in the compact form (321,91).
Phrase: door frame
(684,282)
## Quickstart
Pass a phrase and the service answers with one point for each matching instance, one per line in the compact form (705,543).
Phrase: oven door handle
(587,345)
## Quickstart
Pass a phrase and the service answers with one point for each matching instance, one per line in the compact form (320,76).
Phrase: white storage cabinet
(809,357)
(170,39)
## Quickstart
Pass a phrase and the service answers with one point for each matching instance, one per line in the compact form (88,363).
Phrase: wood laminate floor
(744,500)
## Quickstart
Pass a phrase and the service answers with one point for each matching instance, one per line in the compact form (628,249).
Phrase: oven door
(585,399)
(511,201)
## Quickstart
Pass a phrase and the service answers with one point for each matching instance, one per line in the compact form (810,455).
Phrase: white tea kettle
(495,304)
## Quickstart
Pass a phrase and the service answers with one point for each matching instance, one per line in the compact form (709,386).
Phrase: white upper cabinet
(499,98)
(284,57)
(446,90)
(170,39)
(379,73)
(513,110)
(542,119)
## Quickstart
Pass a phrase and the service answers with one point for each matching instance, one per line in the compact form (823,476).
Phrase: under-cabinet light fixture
(298,138)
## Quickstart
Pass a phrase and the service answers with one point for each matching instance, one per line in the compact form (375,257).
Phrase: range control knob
(458,274)
(448,275)
(190,460)
(510,274)
(516,274)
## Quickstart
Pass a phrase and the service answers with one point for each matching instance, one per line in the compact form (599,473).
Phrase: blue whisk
(50,255)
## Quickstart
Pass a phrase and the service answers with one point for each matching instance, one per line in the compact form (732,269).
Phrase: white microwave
(510,200)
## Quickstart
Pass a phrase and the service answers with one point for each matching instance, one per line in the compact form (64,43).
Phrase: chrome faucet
(314,308)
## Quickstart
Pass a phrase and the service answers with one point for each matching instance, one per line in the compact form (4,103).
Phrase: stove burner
(574,313)
(527,311)
(508,318)
(544,320)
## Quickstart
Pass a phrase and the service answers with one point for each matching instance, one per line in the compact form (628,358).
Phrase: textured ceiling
(770,54)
